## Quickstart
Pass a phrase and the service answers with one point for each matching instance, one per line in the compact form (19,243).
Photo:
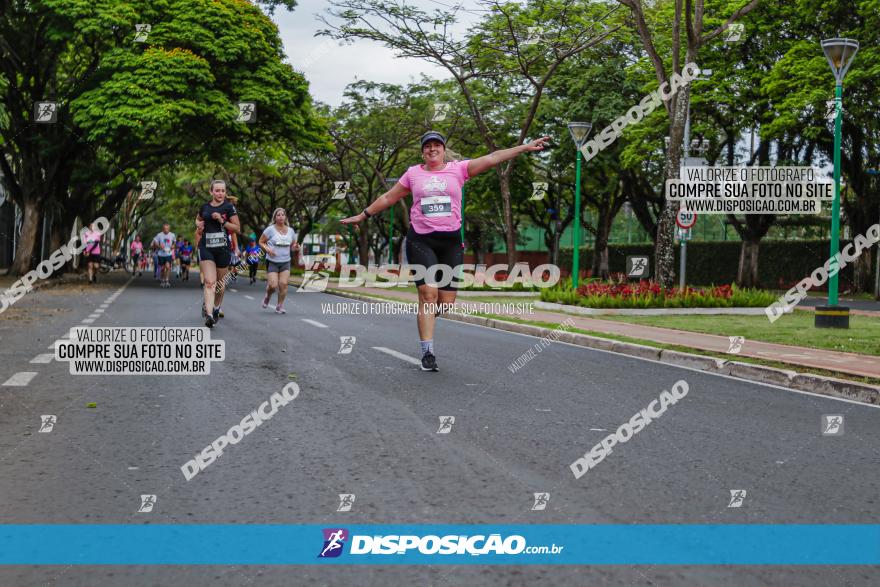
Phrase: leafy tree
(689,18)
(127,109)
(500,74)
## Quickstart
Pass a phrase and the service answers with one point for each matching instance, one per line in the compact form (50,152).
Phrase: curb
(840,388)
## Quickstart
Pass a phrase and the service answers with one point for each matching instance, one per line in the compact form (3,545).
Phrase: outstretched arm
(383,202)
(481,164)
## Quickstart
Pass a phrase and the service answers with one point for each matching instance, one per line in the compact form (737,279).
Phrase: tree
(127,109)
(799,85)
(692,21)
(496,68)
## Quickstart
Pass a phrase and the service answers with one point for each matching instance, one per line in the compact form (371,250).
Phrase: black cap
(432,135)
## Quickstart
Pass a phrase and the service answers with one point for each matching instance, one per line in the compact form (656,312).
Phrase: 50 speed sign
(685,219)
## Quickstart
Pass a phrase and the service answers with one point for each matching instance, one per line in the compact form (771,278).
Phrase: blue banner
(424,544)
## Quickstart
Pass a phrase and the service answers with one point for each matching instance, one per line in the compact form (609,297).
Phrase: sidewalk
(851,363)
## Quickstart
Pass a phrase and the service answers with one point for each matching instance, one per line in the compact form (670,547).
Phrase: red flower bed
(648,288)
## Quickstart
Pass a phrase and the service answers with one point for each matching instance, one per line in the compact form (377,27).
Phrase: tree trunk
(600,252)
(504,182)
(363,247)
(747,272)
(862,272)
(664,246)
(59,235)
(32,212)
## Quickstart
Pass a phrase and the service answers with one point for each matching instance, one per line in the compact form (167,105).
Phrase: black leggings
(435,248)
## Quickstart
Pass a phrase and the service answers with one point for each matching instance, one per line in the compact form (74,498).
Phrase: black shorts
(218,255)
(185,261)
(275,267)
(164,259)
(436,248)
(94,258)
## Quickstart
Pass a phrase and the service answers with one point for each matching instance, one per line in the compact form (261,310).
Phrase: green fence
(780,263)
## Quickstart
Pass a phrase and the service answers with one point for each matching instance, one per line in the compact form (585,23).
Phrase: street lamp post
(579,132)
(840,54)
(391,181)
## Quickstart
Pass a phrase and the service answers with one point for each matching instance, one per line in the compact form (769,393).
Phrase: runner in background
(185,253)
(197,238)
(434,237)
(92,252)
(216,219)
(164,244)
(137,250)
(252,252)
(278,240)
(177,264)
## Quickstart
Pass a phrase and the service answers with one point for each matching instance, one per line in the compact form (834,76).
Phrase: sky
(330,67)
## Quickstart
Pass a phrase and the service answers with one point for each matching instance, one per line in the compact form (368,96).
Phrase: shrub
(648,294)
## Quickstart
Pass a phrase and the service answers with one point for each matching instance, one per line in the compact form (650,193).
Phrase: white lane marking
(43,358)
(598,430)
(248,297)
(314,323)
(93,316)
(398,355)
(20,379)
(98,311)
(88,320)
(233,290)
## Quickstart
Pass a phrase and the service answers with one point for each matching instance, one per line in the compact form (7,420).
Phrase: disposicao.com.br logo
(334,540)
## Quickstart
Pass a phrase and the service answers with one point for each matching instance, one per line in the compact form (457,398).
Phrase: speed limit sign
(685,219)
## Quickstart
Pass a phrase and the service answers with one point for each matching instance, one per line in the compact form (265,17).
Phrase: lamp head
(840,54)
(579,132)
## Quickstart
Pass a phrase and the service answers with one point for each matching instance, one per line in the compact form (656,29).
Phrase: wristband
(367,214)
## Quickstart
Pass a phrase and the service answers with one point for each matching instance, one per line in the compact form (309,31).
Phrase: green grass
(684,349)
(797,329)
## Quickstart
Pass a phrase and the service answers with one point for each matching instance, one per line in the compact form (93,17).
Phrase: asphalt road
(366,423)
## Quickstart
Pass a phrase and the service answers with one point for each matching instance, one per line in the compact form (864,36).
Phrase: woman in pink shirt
(92,252)
(137,249)
(434,237)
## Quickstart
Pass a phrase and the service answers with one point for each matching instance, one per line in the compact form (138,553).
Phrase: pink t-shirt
(137,247)
(92,239)
(436,196)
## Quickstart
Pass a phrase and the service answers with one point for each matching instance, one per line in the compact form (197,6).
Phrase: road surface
(366,423)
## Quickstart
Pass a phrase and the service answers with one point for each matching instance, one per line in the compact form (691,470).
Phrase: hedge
(781,264)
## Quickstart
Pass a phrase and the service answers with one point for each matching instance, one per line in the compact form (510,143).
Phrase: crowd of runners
(433,240)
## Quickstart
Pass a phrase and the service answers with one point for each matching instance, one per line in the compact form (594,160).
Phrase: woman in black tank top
(215,220)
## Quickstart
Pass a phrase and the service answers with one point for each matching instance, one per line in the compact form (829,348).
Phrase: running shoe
(279,309)
(429,363)
(209,322)
(220,313)
(216,315)
(266,301)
